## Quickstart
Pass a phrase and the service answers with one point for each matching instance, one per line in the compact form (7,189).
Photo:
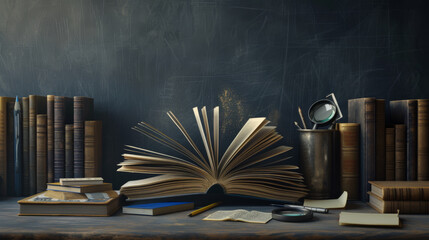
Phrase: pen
(296,124)
(203,209)
(18,148)
(314,209)
(302,118)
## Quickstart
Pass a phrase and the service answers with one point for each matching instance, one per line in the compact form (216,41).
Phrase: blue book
(153,209)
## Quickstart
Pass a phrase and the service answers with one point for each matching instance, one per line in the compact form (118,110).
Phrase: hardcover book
(154,209)
(10,149)
(50,134)
(422,139)
(25,148)
(80,188)
(93,148)
(69,154)
(248,166)
(3,144)
(392,206)
(400,152)
(63,111)
(41,152)
(390,154)
(401,190)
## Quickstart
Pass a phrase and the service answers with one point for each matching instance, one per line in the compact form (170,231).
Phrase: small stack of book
(73,197)
(409,197)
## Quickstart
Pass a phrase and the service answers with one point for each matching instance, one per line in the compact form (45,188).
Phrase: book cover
(50,135)
(25,148)
(404,206)
(400,152)
(80,188)
(390,154)
(93,148)
(3,144)
(69,161)
(422,139)
(250,166)
(405,112)
(37,105)
(362,111)
(401,190)
(83,111)
(154,209)
(380,140)
(349,158)
(41,152)
(10,149)
(63,110)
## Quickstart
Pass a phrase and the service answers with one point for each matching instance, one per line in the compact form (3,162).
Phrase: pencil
(203,209)
(302,118)
(296,124)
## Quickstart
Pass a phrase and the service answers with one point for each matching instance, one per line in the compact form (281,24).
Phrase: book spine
(10,150)
(25,150)
(59,138)
(50,135)
(93,148)
(349,158)
(17,145)
(407,194)
(412,141)
(390,154)
(83,110)
(423,139)
(406,207)
(3,147)
(41,152)
(380,140)
(400,153)
(362,111)
(69,151)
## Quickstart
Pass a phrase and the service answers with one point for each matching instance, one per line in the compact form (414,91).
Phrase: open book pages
(240,215)
(249,166)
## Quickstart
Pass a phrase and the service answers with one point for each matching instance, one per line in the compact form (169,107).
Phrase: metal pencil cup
(317,156)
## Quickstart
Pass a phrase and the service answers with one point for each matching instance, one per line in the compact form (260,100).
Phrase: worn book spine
(37,105)
(25,146)
(10,149)
(404,206)
(83,110)
(422,139)
(41,152)
(69,151)
(349,158)
(380,140)
(50,135)
(362,111)
(93,148)
(59,137)
(405,112)
(390,154)
(400,153)
(3,144)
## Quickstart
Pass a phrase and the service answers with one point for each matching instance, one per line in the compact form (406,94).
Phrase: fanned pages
(250,165)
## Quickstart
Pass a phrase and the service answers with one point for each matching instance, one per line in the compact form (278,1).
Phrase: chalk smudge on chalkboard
(232,110)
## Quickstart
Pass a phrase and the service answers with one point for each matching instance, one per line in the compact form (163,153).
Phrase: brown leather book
(380,140)
(401,190)
(41,152)
(50,135)
(390,154)
(349,158)
(69,151)
(422,139)
(362,111)
(10,149)
(404,207)
(400,152)
(93,148)
(63,111)
(3,144)
(25,148)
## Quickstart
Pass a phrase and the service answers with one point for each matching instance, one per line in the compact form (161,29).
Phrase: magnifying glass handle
(315,126)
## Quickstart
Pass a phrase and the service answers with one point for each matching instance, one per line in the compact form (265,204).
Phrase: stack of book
(55,137)
(73,197)
(409,197)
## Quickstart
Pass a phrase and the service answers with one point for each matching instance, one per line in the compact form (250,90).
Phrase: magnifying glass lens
(324,112)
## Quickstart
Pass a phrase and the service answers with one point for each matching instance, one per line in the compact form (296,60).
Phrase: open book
(248,166)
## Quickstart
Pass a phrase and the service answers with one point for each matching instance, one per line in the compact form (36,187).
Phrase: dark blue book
(153,209)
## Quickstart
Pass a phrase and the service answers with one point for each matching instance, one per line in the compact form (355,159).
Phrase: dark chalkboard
(139,59)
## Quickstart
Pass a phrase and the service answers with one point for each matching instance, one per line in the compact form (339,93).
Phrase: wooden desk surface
(180,226)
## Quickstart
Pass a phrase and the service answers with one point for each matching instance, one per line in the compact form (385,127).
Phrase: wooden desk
(180,226)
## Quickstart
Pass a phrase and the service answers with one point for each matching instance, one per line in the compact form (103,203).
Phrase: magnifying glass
(292,214)
(325,112)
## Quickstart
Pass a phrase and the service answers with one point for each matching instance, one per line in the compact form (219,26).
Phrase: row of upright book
(53,137)
(384,142)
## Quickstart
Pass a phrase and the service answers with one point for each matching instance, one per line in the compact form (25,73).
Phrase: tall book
(362,111)
(401,190)
(390,154)
(50,135)
(83,111)
(349,158)
(37,105)
(63,110)
(251,165)
(69,151)
(3,144)
(10,149)
(400,152)
(405,112)
(404,206)
(380,140)
(93,148)
(25,148)
(422,139)
(41,152)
